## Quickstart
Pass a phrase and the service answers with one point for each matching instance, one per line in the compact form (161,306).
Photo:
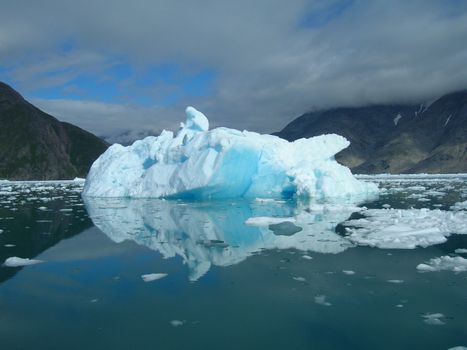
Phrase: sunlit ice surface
(257,273)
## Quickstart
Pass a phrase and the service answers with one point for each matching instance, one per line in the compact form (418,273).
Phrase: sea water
(129,274)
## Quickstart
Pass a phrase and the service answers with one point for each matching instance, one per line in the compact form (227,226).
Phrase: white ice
(405,228)
(177,323)
(321,300)
(15,261)
(197,163)
(153,277)
(444,263)
(266,221)
(434,319)
(460,206)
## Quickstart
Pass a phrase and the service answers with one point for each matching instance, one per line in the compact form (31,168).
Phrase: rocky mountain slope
(36,146)
(429,138)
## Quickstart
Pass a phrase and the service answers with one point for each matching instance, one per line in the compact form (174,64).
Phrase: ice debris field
(198,163)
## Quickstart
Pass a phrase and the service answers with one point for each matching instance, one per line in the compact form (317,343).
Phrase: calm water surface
(300,285)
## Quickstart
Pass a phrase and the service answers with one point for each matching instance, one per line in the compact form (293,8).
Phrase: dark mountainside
(429,138)
(36,146)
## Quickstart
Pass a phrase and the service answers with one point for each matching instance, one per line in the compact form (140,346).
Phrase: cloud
(105,119)
(273,59)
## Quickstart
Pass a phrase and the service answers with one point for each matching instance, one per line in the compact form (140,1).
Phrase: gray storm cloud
(273,59)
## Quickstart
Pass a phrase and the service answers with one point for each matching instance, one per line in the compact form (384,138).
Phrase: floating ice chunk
(153,276)
(348,272)
(321,300)
(433,319)
(405,229)
(458,348)
(461,251)
(396,281)
(198,163)
(16,261)
(300,279)
(307,257)
(266,221)
(9,245)
(177,323)
(460,206)
(333,207)
(455,264)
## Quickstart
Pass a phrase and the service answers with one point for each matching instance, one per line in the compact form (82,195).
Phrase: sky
(110,66)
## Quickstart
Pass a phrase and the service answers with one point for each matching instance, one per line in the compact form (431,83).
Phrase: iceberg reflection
(215,233)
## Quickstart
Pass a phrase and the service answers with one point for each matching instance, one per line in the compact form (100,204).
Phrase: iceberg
(198,163)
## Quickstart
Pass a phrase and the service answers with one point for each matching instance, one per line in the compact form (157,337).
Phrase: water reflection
(215,233)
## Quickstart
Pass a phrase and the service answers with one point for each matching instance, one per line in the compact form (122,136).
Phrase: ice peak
(195,120)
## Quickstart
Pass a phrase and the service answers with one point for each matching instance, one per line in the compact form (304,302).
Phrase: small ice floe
(264,200)
(307,257)
(42,208)
(386,206)
(300,279)
(405,229)
(348,272)
(333,208)
(396,281)
(153,276)
(66,210)
(266,221)
(460,206)
(400,305)
(444,263)
(321,300)
(9,245)
(461,251)
(177,323)
(15,261)
(1,231)
(460,347)
(435,319)
(94,300)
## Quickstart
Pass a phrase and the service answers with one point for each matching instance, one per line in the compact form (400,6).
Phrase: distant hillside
(36,146)
(127,137)
(429,138)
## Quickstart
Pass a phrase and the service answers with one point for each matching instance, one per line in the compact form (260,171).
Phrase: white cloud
(109,118)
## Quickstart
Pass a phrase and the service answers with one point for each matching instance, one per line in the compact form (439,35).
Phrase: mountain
(36,146)
(431,137)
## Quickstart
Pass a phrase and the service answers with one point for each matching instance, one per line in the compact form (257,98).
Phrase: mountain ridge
(394,138)
(36,146)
